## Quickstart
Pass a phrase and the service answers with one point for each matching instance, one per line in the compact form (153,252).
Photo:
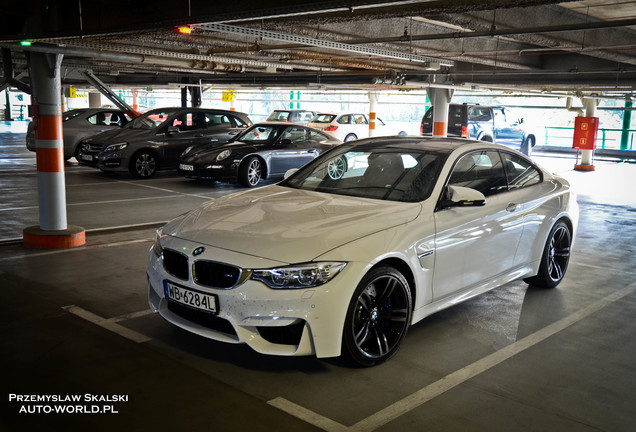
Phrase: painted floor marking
(110,324)
(75,249)
(451,381)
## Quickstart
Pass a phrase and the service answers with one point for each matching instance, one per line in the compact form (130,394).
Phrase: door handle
(512,207)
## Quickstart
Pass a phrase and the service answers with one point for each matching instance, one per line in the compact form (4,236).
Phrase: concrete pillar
(440,99)
(373,107)
(53,231)
(94,100)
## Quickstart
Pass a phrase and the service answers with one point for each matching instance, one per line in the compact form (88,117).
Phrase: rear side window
(345,119)
(519,172)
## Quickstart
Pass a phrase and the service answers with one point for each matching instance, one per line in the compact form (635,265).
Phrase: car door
(475,244)
(508,129)
(293,150)
(181,131)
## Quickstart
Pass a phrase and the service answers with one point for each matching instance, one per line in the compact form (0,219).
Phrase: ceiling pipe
(112,56)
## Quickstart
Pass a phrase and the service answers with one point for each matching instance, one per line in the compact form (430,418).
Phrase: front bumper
(278,322)
(209,172)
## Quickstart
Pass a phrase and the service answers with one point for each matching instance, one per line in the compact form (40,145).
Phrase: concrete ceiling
(586,46)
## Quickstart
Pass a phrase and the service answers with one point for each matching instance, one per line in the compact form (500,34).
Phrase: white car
(350,126)
(369,238)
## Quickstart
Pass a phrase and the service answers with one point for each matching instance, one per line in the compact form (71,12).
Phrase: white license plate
(195,299)
(86,157)
(185,167)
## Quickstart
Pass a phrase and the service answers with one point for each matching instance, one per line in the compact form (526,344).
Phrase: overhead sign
(228,96)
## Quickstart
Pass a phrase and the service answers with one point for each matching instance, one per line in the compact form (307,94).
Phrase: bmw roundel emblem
(198,251)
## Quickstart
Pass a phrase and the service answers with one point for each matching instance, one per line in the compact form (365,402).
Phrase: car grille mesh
(217,275)
(207,273)
(176,264)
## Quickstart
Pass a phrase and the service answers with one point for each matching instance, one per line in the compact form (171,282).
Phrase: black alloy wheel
(555,259)
(144,164)
(377,318)
(250,172)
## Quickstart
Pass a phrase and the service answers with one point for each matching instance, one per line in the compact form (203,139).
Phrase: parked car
(156,139)
(79,124)
(350,126)
(485,123)
(297,116)
(263,151)
(343,264)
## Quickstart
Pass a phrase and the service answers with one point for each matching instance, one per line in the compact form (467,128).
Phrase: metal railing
(608,139)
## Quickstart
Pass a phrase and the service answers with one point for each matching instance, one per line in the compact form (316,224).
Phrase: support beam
(440,99)
(373,108)
(112,96)
(53,231)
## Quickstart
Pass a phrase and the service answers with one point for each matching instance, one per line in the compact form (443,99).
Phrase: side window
(239,123)
(217,120)
(98,119)
(307,116)
(520,173)
(294,134)
(359,119)
(479,114)
(482,171)
(345,119)
(315,136)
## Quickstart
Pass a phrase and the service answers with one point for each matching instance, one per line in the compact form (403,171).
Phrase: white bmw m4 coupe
(346,253)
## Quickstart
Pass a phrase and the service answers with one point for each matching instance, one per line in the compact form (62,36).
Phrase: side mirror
(290,172)
(172,129)
(458,196)
(285,142)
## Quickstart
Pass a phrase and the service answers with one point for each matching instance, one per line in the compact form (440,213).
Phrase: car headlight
(187,150)
(223,155)
(156,246)
(115,147)
(299,276)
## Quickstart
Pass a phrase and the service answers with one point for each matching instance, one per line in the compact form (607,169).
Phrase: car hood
(208,152)
(123,135)
(288,225)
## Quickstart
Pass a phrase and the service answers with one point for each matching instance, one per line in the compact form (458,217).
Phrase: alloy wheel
(381,317)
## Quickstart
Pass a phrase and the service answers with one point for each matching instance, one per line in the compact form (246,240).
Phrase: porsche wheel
(250,172)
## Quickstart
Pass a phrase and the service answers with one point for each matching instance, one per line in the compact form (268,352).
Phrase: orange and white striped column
(373,106)
(440,98)
(53,231)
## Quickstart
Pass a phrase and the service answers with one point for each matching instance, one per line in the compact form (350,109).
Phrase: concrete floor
(76,322)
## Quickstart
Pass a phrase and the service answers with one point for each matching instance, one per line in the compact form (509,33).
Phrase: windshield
(279,116)
(323,118)
(260,133)
(150,120)
(372,171)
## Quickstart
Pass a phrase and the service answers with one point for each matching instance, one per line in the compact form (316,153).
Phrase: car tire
(526,148)
(555,258)
(250,172)
(350,137)
(337,168)
(402,133)
(377,318)
(143,164)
